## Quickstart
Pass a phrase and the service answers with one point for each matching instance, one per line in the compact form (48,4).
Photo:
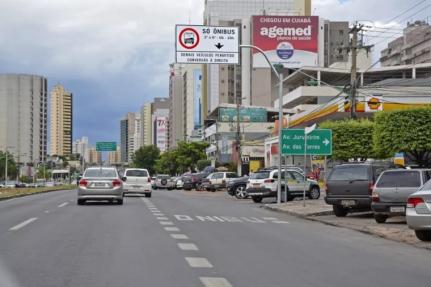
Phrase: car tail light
(370,188)
(116,182)
(269,181)
(83,182)
(412,202)
(375,196)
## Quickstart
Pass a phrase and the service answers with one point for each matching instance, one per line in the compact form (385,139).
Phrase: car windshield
(403,178)
(102,173)
(260,175)
(349,172)
(137,173)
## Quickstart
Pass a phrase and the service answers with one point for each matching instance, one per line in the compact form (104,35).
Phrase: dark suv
(349,186)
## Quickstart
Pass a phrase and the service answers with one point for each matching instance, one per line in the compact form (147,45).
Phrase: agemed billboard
(288,40)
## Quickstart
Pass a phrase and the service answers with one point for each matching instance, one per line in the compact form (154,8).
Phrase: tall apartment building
(61,121)
(176,108)
(336,36)
(146,125)
(160,123)
(114,157)
(227,83)
(130,136)
(95,157)
(24,117)
(413,47)
(81,147)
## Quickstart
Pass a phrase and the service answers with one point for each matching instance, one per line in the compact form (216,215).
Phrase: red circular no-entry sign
(189,38)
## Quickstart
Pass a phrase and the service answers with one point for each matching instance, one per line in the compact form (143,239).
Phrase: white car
(137,181)
(218,180)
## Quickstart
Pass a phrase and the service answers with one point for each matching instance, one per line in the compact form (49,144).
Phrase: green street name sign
(319,142)
(106,146)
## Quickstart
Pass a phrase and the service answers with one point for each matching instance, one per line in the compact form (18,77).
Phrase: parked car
(393,187)
(237,187)
(218,180)
(20,184)
(265,184)
(163,181)
(100,183)
(137,181)
(349,186)
(191,181)
(179,183)
(418,212)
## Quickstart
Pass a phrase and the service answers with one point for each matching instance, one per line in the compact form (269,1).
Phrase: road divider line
(63,204)
(22,224)
(281,222)
(166,223)
(162,218)
(171,228)
(158,214)
(179,236)
(188,246)
(215,282)
(198,262)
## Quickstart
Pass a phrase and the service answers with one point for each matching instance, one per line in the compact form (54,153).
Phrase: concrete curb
(314,217)
(33,193)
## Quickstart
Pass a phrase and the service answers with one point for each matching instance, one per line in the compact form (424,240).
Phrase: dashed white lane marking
(166,223)
(188,246)
(158,214)
(22,224)
(270,218)
(46,211)
(198,262)
(281,222)
(215,282)
(162,218)
(63,204)
(170,228)
(179,236)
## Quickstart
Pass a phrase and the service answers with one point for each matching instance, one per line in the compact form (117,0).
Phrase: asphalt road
(178,239)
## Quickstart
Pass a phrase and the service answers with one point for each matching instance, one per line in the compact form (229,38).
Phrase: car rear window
(400,179)
(137,173)
(349,172)
(163,177)
(260,175)
(92,173)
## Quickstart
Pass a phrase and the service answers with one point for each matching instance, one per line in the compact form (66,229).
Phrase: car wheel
(148,195)
(119,201)
(80,201)
(257,199)
(423,235)
(240,192)
(380,218)
(314,193)
(339,210)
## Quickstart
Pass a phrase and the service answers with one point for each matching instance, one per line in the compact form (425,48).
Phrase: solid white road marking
(22,224)
(270,218)
(63,204)
(215,282)
(179,236)
(181,217)
(198,262)
(188,246)
(166,223)
(162,218)
(170,228)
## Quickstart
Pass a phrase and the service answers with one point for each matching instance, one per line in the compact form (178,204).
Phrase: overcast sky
(114,54)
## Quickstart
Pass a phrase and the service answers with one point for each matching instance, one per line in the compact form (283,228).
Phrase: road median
(9,193)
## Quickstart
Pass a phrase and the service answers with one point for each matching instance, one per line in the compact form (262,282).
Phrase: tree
(146,157)
(407,131)
(351,139)
(11,165)
(168,163)
(189,153)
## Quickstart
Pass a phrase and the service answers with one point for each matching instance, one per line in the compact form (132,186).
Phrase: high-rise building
(61,121)
(114,157)
(95,157)
(124,139)
(130,135)
(413,47)
(160,123)
(336,36)
(24,117)
(146,126)
(227,83)
(81,147)
(176,108)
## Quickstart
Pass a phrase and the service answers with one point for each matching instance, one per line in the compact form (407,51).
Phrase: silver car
(393,187)
(418,213)
(100,183)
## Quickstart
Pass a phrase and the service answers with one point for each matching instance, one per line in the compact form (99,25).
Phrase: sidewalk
(394,229)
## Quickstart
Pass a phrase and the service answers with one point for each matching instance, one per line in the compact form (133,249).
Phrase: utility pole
(353,48)
(5,169)
(238,128)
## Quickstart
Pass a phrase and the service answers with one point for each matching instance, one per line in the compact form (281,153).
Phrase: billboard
(161,133)
(288,40)
(245,115)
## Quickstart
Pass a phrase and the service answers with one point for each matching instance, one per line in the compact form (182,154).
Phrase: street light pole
(280,112)
(5,169)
